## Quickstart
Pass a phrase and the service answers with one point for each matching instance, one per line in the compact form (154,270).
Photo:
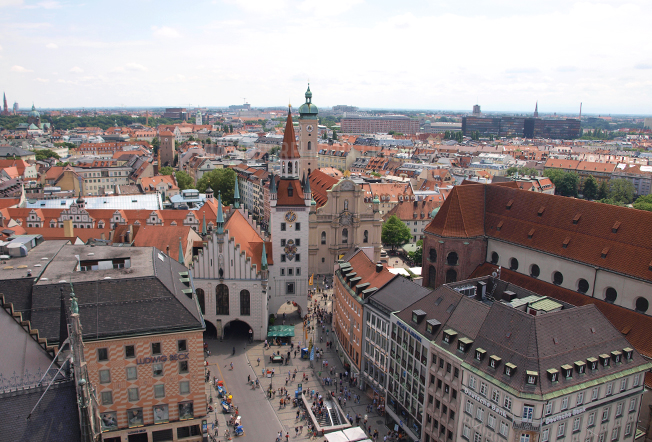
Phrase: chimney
(379,267)
(167,250)
(68,231)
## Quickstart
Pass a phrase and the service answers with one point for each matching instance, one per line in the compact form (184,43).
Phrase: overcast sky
(448,54)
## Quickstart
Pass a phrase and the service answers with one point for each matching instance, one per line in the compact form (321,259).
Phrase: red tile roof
(289,148)
(461,215)
(249,240)
(282,193)
(366,270)
(320,183)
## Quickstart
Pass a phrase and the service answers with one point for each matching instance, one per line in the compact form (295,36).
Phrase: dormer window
(629,353)
(418,315)
(494,361)
(463,344)
(431,325)
(617,356)
(510,369)
(592,363)
(479,353)
(449,336)
(553,374)
(605,360)
(531,377)
(580,367)
(567,370)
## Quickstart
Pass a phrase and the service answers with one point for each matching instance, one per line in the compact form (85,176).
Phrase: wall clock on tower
(290,216)
(309,128)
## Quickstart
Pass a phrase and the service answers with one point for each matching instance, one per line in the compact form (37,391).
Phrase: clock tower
(308,134)
(289,201)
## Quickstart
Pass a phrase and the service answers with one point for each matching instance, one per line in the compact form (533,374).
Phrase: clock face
(309,128)
(290,216)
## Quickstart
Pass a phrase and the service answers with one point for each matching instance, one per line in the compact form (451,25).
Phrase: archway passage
(211,331)
(238,329)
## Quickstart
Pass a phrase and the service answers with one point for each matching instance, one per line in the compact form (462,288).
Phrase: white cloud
(135,67)
(329,8)
(51,46)
(260,6)
(5,3)
(20,69)
(76,70)
(47,4)
(43,80)
(165,32)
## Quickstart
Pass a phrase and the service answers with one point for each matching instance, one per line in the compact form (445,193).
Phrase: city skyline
(503,55)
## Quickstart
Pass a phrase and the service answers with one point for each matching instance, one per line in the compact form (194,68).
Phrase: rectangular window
(105,376)
(472,382)
(132,373)
(289,288)
(504,429)
(283,243)
(297,226)
(619,409)
(524,437)
(184,387)
(298,271)
(636,380)
(628,429)
(468,407)
(564,403)
(495,395)
(548,410)
(545,434)
(591,420)
(561,429)
(479,414)
(283,258)
(282,227)
(595,394)
(156,348)
(605,414)
(507,403)
(483,389)
(107,398)
(290,271)
(477,437)
(183,366)
(528,412)
(297,242)
(610,387)
(130,351)
(102,354)
(466,431)
(297,257)
(159,390)
(282,272)
(632,404)
(182,345)
(577,424)
(614,433)
(580,398)
(133,394)
(491,421)
(157,370)
(623,384)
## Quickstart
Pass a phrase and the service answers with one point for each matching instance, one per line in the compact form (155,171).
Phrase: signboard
(485,402)
(566,415)
(300,387)
(312,353)
(163,358)
(204,426)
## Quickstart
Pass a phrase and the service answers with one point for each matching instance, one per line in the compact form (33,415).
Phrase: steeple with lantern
(308,134)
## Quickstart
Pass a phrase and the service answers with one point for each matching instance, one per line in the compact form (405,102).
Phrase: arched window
(452,259)
(494,258)
(201,299)
(451,276)
(290,167)
(365,238)
(309,171)
(535,271)
(610,295)
(557,278)
(222,300)
(309,145)
(283,165)
(245,309)
(345,236)
(513,264)
(432,277)
(323,237)
(432,255)
(582,286)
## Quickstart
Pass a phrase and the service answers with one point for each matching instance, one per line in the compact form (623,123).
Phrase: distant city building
(536,110)
(240,107)
(476,109)
(16,109)
(647,123)
(198,119)
(366,125)
(344,108)
(5,108)
(176,113)
(566,129)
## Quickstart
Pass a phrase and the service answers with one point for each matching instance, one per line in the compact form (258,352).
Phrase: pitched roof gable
(461,215)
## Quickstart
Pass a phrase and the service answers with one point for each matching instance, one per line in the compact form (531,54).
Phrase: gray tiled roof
(398,294)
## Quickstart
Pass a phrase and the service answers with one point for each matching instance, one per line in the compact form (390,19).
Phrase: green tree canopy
(603,190)
(417,255)
(44,154)
(611,202)
(621,190)
(167,170)
(566,183)
(590,188)
(184,181)
(220,180)
(643,203)
(395,233)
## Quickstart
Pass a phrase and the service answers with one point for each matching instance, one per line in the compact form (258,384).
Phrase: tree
(603,191)
(621,190)
(566,183)
(590,188)
(220,180)
(184,181)
(511,171)
(167,170)
(611,202)
(45,154)
(156,144)
(643,203)
(417,256)
(334,136)
(395,233)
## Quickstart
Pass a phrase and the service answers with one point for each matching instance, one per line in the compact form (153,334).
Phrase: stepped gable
(320,183)
(249,240)
(461,215)
(603,236)
(634,326)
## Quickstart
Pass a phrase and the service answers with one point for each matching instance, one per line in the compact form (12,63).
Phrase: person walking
(258,361)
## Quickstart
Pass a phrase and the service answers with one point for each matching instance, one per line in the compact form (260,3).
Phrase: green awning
(277,331)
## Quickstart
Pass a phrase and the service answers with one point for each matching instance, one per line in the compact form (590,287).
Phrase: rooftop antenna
(580,110)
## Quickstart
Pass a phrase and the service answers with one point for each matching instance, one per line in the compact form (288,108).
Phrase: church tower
(198,118)
(289,219)
(308,135)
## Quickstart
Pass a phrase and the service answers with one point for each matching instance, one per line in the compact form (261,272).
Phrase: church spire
(289,148)
(203,224)
(220,215)
(181,258)
(536,109)
(263,258)
(236,194)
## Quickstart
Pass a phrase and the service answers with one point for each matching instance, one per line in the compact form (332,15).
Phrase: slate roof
(398,294)
(10,151)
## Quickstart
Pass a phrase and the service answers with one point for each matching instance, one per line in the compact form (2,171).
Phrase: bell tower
(308,134)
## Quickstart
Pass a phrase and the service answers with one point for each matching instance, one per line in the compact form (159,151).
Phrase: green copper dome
(308,109)
(34,112)
(434,212)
